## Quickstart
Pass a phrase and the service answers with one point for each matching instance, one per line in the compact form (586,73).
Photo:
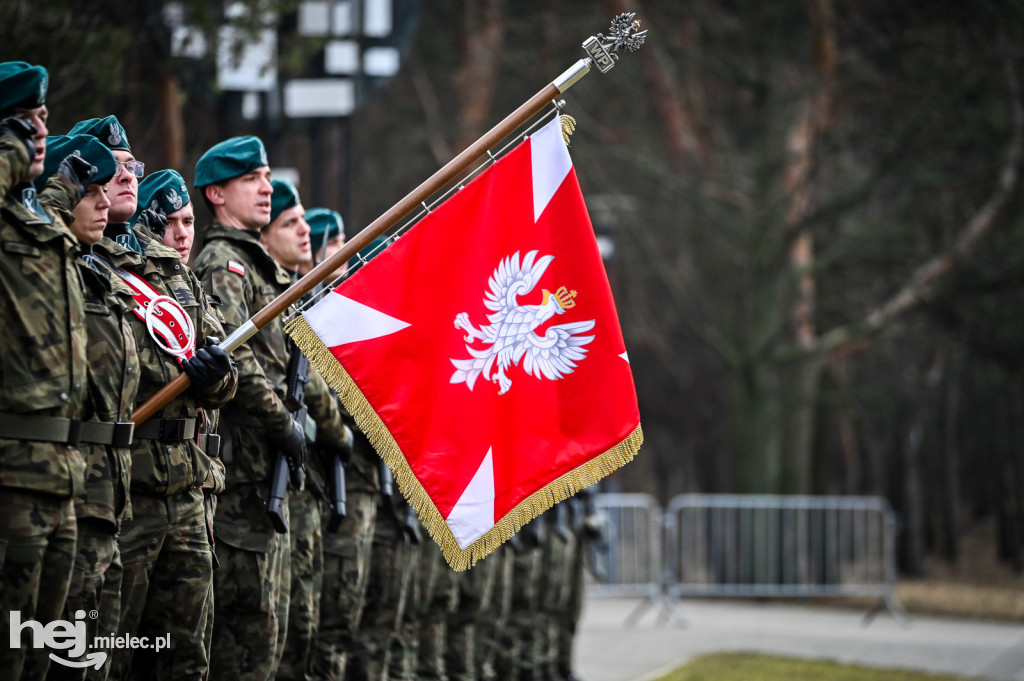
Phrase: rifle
(336,483)
(285,468)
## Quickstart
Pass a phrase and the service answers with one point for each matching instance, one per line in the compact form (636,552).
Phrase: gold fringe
(375,430)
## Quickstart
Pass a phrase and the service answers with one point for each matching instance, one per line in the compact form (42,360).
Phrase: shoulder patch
(236,267)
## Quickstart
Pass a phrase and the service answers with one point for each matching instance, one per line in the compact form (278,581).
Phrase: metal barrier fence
(723,545)
(628,561)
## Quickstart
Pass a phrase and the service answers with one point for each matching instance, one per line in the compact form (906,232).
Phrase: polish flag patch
(236,267)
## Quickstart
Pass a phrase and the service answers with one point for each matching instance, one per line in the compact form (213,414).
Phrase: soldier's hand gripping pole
(601,52)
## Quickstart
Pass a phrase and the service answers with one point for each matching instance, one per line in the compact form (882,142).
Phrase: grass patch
(757,667)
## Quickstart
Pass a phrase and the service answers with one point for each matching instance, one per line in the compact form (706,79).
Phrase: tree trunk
(800,381)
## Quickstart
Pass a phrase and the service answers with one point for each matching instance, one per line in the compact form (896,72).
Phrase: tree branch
(924,280)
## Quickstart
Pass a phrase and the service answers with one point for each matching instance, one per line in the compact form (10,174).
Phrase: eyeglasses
(136,168)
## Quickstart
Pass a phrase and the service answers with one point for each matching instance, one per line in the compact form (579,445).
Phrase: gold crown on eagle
(564,297)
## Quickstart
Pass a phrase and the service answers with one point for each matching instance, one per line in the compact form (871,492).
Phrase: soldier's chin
(35,169)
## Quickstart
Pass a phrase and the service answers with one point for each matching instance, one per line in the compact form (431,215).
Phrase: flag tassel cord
(458,557)
(602,52)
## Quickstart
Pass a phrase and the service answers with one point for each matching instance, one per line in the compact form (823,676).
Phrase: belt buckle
(123,432)
(172,430)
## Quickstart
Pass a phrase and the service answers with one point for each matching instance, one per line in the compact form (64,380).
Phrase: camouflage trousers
(307,576)
(95,588)
(251,614)
(567,620)
(517,660)
(555,598)
(346,573)
(432,598)
(165,588)
(475,587)
(378,639)
(37,553)
(491,627)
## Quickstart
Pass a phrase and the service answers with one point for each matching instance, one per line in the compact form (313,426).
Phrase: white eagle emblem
(174,199)
(114,138)
(511,333)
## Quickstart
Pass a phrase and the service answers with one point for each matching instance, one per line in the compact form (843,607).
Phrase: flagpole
(602,53)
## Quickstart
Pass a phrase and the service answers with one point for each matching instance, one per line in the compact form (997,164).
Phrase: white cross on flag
(481,353)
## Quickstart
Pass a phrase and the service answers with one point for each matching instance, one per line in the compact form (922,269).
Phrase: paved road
(608,651)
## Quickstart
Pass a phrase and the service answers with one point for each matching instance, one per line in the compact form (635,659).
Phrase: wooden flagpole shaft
(451,170)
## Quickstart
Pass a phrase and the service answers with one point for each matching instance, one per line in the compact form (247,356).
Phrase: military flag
(481,353)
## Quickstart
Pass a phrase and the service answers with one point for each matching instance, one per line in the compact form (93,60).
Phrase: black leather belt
(72,432)
(41,428)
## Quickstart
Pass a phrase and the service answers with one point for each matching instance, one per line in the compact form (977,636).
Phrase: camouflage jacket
(113,383)
(171,467)
(43,331)
(242,279)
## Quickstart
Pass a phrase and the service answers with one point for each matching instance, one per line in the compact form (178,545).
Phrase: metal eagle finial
(624,33)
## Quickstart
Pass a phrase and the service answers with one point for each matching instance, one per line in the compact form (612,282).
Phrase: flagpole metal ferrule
(568,78)
(239,336)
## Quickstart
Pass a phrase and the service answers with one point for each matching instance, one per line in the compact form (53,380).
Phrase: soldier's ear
(214,194)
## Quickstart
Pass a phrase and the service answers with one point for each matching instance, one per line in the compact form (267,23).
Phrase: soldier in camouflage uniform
(522,636)
(490,642)
(287,240)
(346,549)
(253,584)
(475,597)
(586,529)
(378,652)
(433,597)
(165,549)
(42,370)
(558,549)
(113,378)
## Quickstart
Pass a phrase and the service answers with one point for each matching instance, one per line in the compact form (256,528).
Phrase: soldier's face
(244,201)
(37,117)
(123,189)
(287,238)
(91,214)
(181,231)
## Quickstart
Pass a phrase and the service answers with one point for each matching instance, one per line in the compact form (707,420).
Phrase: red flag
(482,355)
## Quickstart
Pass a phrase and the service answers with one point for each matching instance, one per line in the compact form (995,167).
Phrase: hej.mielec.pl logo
(72,637)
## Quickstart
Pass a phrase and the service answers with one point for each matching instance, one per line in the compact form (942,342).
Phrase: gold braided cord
(377,433)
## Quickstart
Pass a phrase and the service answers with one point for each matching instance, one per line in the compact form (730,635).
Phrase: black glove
(153,220)
(293,444)
(23,131)
(208,366)
(78,170)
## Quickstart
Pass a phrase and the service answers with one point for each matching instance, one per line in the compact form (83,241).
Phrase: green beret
(285,196)
(107,130)
(164,190)
(324,225)
(88,147)
(22,86)
(230,158)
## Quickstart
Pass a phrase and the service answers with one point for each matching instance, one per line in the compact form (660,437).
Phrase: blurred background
(811,211)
